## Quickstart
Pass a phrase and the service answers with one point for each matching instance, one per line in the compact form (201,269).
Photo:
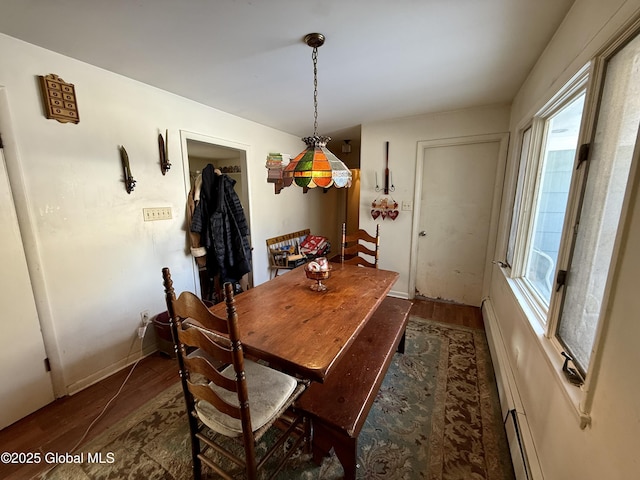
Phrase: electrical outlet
(145,317)
(407,205)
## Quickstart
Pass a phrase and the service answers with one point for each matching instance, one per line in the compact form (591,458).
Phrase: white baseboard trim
(394,293)
(111,369)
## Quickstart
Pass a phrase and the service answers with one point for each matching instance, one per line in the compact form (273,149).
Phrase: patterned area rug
(436,417)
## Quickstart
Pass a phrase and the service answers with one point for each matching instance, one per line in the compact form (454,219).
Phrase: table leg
(402,342)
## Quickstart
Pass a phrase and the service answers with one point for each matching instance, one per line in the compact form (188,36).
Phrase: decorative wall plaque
(59,99)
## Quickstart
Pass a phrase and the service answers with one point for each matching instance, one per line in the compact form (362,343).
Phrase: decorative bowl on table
(318,276)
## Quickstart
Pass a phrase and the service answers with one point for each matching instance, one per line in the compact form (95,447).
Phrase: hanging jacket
(198,252)
(224,232)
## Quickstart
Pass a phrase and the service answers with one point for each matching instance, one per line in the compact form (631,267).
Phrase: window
(546,167)
(551,193)
(604,194)
(524,151)
(569,202)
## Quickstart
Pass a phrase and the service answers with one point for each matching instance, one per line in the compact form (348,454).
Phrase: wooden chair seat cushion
(269,390)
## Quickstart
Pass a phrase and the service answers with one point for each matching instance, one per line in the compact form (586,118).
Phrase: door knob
(423,233)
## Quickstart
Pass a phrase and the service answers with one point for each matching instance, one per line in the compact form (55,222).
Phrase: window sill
(551,349)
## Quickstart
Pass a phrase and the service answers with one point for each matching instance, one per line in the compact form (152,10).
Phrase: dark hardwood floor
(60,425)
(448,312)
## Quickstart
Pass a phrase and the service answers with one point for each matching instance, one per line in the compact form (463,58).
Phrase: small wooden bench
(280,241)
(339,407)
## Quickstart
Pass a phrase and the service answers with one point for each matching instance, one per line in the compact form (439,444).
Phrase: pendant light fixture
(316,166)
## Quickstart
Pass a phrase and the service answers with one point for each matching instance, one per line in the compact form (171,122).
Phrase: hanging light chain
(314,57)
(324,169)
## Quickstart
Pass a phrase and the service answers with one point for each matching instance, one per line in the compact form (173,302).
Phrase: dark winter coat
(223,227)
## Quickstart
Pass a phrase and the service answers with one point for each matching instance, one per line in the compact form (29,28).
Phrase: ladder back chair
(360,248)
(231,401)
(355,244)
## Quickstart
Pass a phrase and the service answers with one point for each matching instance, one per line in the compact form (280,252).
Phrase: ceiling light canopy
(316,166)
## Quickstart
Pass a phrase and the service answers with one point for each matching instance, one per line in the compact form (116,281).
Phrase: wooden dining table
(305,332)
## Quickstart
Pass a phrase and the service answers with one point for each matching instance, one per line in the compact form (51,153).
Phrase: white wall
(95,265)
(403,135)
(609,447)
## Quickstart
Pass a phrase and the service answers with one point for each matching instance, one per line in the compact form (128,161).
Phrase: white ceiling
(382,59)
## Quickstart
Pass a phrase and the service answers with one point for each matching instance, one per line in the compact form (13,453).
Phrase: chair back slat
(358,260)
(217,347)
(204,392)
(360,248)
(189,306)
(362,235)
(201,366)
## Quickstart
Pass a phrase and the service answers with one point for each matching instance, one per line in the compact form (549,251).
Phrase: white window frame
(539,308)
(544,323)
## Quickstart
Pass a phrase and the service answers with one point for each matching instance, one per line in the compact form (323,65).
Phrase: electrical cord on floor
(91,425)
(111,400)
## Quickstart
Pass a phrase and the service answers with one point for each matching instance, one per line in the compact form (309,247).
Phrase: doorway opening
(230,158)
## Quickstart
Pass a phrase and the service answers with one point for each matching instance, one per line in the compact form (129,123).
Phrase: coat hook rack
(163,146)
(129,181)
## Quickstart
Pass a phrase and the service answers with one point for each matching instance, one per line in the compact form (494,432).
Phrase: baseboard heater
(523,453)
(512,426)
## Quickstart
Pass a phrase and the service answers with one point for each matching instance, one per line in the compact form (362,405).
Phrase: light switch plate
(158,213)
(407,205)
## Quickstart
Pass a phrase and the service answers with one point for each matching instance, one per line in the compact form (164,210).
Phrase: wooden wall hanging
(129,181)
(385,206)
(165,165)
(59,99)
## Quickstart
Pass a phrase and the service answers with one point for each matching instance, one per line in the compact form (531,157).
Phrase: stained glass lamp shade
(316,167)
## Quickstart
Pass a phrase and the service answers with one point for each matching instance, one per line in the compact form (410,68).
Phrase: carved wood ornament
(59,99)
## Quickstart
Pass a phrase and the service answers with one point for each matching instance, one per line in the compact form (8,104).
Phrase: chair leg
(306,426)
(322,442)
(195,448)
(196,463)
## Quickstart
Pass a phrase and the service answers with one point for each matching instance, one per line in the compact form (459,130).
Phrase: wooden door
(455,218)
(25,384)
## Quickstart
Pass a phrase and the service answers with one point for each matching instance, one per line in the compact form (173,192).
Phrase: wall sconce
(164,153)
(346,146)
(129,182)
